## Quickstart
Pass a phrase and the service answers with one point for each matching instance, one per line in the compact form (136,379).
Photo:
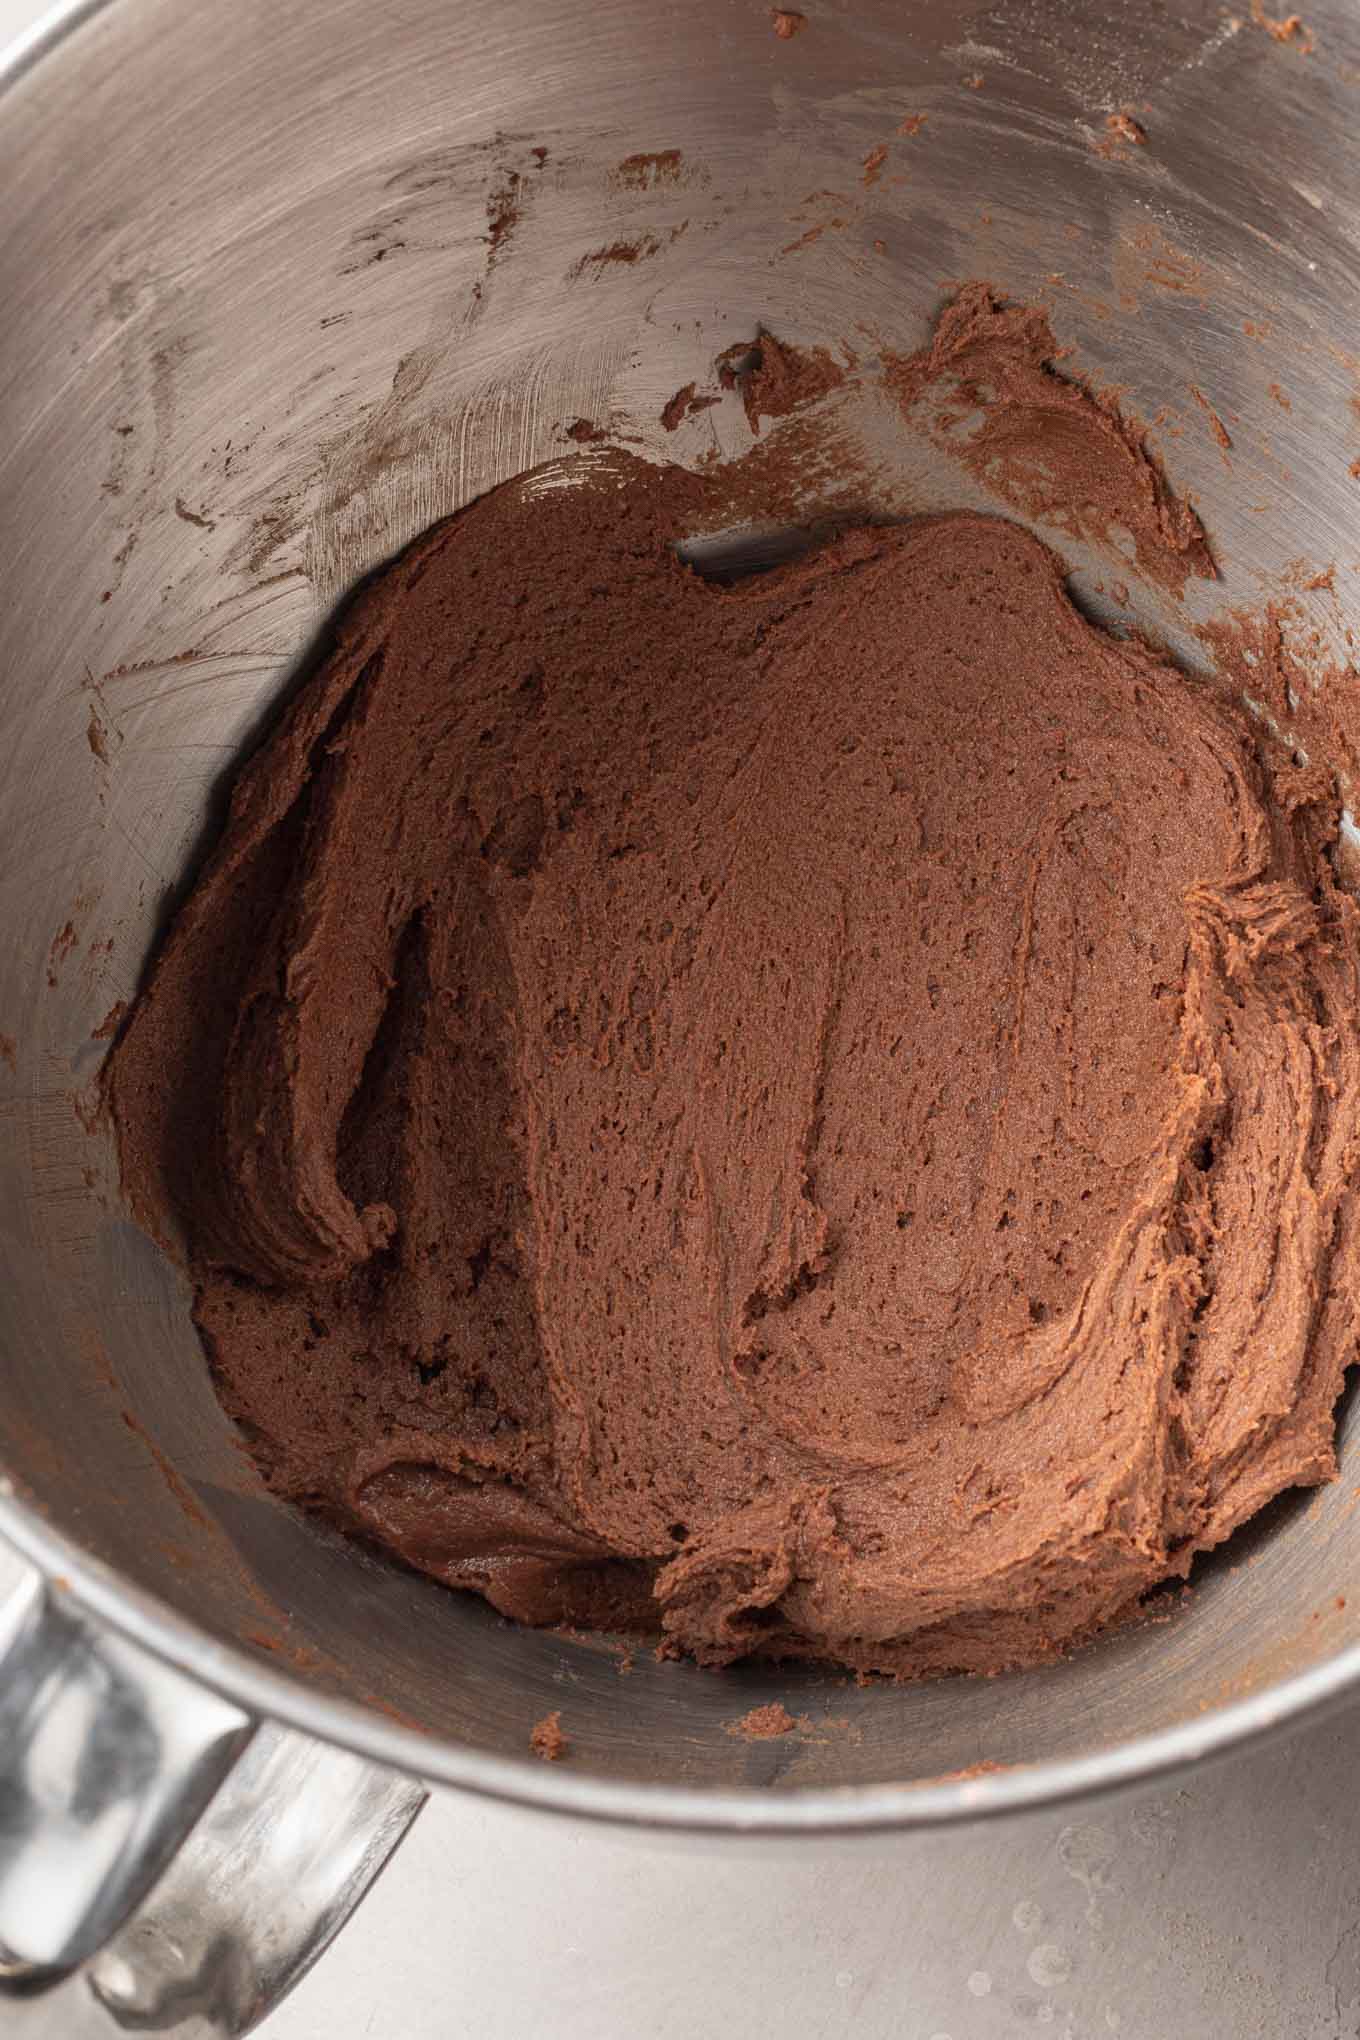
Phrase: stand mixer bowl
(283,287)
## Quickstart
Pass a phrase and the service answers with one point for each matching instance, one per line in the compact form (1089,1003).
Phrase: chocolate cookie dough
(817,1116)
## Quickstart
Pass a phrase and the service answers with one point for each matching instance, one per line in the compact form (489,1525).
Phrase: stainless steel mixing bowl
(279,287)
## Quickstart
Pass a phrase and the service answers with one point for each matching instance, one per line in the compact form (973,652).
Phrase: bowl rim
(275,1695)
(890,1807)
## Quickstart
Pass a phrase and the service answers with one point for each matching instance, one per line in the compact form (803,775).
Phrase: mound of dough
(816,1116)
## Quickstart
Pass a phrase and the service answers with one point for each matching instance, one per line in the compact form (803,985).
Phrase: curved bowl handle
(164,1859)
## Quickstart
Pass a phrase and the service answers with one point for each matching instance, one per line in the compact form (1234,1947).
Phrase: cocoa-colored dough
(684,404)
(1043,439)
(775,378)
(817,1116)
(763,1724)
(547,1740)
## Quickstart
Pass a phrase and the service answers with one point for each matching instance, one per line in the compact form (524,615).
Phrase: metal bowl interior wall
(283,286)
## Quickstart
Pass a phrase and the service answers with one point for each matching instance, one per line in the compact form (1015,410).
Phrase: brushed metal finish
(283,285)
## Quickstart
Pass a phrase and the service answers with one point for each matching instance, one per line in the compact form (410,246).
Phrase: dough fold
(816,1116)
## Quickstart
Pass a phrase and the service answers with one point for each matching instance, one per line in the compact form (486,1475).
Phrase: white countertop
(1224,1907)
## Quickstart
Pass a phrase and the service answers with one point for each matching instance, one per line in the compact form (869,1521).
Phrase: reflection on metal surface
(195,1868)
(107,1758)
(279,1861)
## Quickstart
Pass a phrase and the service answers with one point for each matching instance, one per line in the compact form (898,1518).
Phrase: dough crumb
(762,1724)
(649,167)
(1286,28)
(1216,425)
(787,23)
(1126,128)
(984,1768)
(873,165)
(546,1739)
(774,377)
(111,1022)
(684,404)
